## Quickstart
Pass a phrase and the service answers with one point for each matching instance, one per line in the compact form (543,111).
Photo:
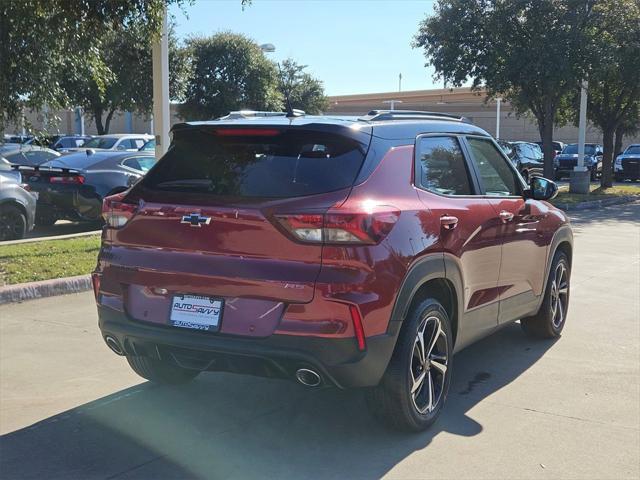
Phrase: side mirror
(541,189)
(121,147)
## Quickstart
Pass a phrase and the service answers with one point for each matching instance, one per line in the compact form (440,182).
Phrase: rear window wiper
(196,183)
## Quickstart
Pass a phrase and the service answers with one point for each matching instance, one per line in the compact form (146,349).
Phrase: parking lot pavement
(517,408)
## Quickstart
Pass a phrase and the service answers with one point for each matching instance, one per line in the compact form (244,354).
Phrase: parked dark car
(29,155)
(72,187)
(526,157)
(557,147)
(17,205)
(568,159)
(352,253)
(627,165)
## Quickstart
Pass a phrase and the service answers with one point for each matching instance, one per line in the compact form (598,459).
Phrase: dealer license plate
(196,312)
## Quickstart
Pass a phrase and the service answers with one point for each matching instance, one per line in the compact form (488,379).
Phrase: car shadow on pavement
(226,426)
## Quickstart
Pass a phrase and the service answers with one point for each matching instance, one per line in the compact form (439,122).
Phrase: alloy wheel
(428,367)
(559,294)
(10,225)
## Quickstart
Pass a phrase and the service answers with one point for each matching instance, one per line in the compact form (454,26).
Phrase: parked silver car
(17,205)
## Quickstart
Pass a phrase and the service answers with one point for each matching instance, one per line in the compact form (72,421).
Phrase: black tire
(45,219)
(13,223)
(392,401)
(159,371)
(552,316)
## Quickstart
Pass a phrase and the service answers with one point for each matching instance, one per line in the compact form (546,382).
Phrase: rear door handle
(448,222)
(505,216)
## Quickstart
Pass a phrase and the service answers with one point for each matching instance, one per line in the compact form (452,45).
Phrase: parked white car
(125,142)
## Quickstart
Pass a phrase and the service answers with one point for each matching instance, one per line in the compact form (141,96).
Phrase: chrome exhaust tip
(308,377)
(114,345)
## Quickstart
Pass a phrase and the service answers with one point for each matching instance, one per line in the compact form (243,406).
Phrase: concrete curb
(44,288)
(597,203)
(56,237)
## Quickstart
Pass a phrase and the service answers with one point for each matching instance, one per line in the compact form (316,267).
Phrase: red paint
(247,254)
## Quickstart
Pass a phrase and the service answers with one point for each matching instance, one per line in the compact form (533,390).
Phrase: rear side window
(497,178)
(273,164)
(441,166)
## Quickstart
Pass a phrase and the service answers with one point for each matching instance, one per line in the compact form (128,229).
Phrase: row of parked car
(529,159)
(40,185)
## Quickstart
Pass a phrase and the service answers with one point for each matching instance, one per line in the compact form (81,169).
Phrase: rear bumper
(338,360)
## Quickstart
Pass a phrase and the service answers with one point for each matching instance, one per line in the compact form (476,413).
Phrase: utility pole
(579,182)
(161,115)
(400,82)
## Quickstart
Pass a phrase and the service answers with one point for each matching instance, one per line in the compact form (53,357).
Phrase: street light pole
(498,102)
(161,115)
(579,182)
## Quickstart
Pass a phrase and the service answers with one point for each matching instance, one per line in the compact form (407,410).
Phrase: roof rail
(258,113)
(379,115)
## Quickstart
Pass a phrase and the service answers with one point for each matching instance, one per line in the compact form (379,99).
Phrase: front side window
(497,178)
(441,166)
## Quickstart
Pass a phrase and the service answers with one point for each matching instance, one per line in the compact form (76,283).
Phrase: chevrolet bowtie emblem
(195,220)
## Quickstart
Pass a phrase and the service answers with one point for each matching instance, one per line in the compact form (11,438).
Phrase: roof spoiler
(381,115)
(37,168)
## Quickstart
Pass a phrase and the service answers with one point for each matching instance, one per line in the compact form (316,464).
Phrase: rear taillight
(116,212)
(68,180)
(336,227)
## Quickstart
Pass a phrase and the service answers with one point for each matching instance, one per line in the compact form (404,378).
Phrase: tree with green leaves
(126,84)
(39,38)
(614,75)
(630,125)
(305,92)
(531,52)
(229,72)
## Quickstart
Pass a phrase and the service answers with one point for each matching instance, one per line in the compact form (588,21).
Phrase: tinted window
(286,164)
(441,166)
(497,178)
(137,143)
(143,164)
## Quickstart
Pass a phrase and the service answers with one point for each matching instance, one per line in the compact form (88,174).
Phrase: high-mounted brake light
(115,212)
(342,227)
(68,180)
(247,132)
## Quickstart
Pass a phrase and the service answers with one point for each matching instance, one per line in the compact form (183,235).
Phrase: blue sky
(353,46)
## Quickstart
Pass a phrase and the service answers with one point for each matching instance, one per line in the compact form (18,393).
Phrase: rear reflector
(115,212)
(356,318)
(247,132)
(69,180)
(95,281)
(336,227)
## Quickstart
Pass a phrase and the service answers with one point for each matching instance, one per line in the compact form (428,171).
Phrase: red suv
(353,252)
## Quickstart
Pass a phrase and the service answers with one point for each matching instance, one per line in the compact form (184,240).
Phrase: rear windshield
(285,163)
(101,142)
